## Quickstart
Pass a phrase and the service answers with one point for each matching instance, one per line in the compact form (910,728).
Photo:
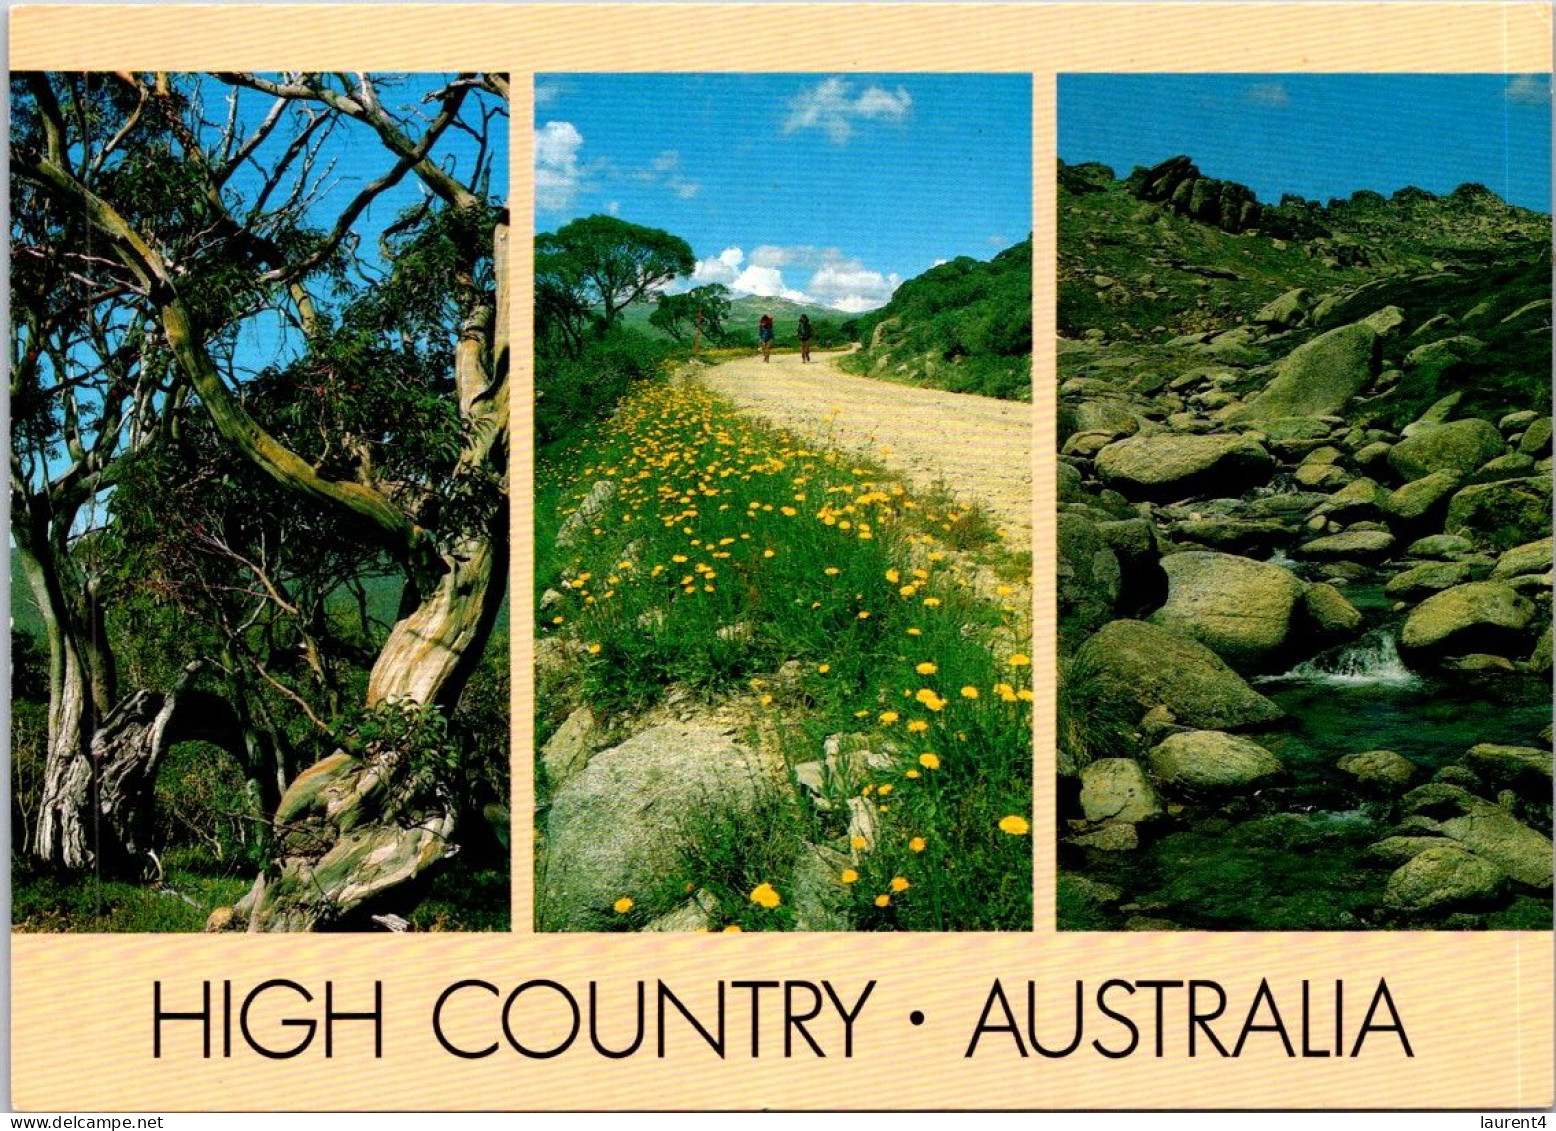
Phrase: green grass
(739,563)
(193,885)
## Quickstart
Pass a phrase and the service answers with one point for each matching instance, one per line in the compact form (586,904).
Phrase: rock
(1440,546)
(614,828)
(1167,466)
(1540,658)
(697,914)
(567,751)
(1211,759)
(1518,421)
(1493,834)
(1503,514)
(1440,412)
(1089,574)
(1441,800)
(1373,454)
(1359,499)
(1396,850)
(1512,765)
(1531,557)
(1479,663)
(1330,617)
(1423,580)
(1108,417)
(1386,321)
(1318,378)
(1514,465)
(1443,876)
(1286,311)
(1418,499)
(1116,789)
(1460,446)
(1238,608)
(1382,769)
(1111,838)
(1480,616)
(1363,544)
(598,498)
(1322,476)
(1140,666)
(1537,439)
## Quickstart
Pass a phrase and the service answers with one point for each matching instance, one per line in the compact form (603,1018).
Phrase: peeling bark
(99,803)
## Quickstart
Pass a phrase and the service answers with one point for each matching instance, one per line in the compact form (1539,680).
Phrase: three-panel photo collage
(894,554)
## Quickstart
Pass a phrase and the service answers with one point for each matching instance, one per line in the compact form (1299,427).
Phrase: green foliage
(678,314)
(414,736)
(965,326)
(605,262)
(571,393)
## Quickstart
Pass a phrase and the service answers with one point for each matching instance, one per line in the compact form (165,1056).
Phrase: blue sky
(827,188)
(1321,136)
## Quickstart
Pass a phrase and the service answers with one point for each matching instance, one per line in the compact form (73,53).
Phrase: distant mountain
(745,312)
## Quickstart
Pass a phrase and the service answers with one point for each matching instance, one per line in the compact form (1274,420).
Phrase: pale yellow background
(1478,1007)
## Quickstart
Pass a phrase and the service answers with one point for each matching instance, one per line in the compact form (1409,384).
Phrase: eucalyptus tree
(381,407)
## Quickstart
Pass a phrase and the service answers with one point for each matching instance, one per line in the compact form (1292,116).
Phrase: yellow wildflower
(899,883)
(623,905)
(917,726)
(763,895)
(889,717)
(927,668)
(882,900)
(849,876)
(969,692)
(1019,660)
(929,760)
(1015,826)
(917,844)
(859,843)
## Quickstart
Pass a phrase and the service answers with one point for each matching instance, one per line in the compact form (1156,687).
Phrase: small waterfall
(1374,659)
(1279,558)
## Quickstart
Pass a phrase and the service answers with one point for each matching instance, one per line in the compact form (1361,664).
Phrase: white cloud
(1529,90)
(721,268)
(999,239)
(614,208)
(558,175)
(836,280)
(1269,94)
(939,261)
(547,92)
(832,106)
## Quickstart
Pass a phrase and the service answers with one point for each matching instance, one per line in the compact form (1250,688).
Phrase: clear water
(1291,857)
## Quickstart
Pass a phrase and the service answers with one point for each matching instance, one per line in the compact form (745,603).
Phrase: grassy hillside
(964,325)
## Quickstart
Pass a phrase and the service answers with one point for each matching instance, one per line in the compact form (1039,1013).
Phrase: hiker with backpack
(764,333)
(805,336)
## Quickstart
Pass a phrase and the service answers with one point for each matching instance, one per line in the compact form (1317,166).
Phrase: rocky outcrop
(1238,608)
(1199,760)
(616,827)
(1167,467)
(1139,666)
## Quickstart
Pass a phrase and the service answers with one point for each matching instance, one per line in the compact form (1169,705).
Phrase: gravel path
(979,447)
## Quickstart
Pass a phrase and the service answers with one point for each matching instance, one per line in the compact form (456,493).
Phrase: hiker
(804,332)
(764,332)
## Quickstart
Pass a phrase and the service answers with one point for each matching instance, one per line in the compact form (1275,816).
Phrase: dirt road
(979,447)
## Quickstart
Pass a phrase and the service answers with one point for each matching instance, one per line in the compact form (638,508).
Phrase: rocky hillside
(1305,558)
